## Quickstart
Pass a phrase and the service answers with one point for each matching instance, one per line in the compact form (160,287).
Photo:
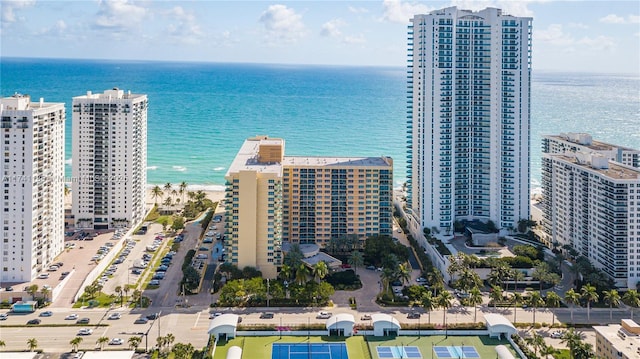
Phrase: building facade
(618,341)
(109,159)
(32,206)
(273,198)
(468,116)
(593,204)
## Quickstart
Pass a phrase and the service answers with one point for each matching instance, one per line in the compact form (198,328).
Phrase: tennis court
(398,352)
(456,352)
(309,351)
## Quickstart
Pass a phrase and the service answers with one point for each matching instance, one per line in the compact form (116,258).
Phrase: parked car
(152,316)
(83,321)
(33,322)
(3,316)
(323,315)
(116,341)
(267,315)
(557,334)
(141,321)
(85,331)
(213,315)
(71,317)
(413,315)
(43,275)
(114,316)
(46,313)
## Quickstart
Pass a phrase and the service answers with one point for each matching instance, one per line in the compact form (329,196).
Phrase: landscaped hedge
(344,280)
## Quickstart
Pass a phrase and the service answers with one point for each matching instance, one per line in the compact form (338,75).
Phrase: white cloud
(282,24)
(554,35)
(357,10)
(331,28)
(633,19)
(8,9)
(57,29)
(402,12)
(118,15)
(612,19)
(577,25)
(358,39)
(511,7)
(185,29)
(598,43)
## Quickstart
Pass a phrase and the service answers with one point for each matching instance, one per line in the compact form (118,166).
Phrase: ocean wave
(219,168)
(152,168)
(205,187)
(179,168)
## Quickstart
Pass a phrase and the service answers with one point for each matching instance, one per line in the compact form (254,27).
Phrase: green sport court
(359,348)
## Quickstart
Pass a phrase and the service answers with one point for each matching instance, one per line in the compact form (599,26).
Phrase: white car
(557,334)
(323,315)
(213,315)
(71,317)
(116,341)
(114,316)
(85,331)
(3,316)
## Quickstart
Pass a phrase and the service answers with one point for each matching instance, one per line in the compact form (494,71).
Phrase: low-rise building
(618,341)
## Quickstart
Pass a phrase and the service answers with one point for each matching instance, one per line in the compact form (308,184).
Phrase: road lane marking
(195,325)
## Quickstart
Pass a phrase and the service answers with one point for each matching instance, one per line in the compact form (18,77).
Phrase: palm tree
(553,301)
(572,297)
(320,270)
(182,189)
(155,193)
(2,344)
(541,272)
(301,274)
(32,290)
(535,300)
(102,341)
(356,260)
(170,337)
(126,289)
(168,202)
(517,276)
(174,194)
(428,303)
(632,299)
(167,188)
(134,342)
(572,339)
(32,344)
(444,301)
(589,294)
(160,342)
(45,293)
(536,341)
(468,279)
(547,350)
(517,298)
(285,272)
(613,298)
(388,275)
(118,291)
(75,343)
(404,273)
(475,298)
(496,295)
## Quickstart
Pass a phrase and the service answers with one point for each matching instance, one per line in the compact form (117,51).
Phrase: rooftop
(337,161)
(585,140)
(20,102)
(615,170)
(113,94)
(620,339)
(247,157)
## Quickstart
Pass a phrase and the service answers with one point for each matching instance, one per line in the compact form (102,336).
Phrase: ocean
(200,113)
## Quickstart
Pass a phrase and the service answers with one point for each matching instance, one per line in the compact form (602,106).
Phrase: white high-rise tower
(468,117)
(32,172)
(109,159)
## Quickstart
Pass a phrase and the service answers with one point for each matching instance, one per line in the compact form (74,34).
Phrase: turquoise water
(200,113)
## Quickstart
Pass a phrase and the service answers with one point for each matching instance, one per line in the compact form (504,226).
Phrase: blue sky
(590,36)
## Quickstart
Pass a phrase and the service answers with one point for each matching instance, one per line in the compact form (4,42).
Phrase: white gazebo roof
(341,317)
(495,321)
(222,320)
(377,318)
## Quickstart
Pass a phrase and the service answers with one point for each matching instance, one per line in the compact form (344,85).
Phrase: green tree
(302,273)
(553,301)
(102,341)
(475,299)
(632,299)
(167,189)
(45,293)
(496,295)
(32,344)
(547,350)
(320,270)
(156,192)
(183,351)
(536,341)
(516,299)
(388,275)
(589,294)
(572,339)
(356,260)
(32,290)
(613,298)
(2,343)
(573,298)
(541,272)
(293,258)
(182,189)
(118,290)
(535,301)
(178,223)
(468,279)
(191,278)
(75,343)
(170,338)
(285,272)
(134,342)
(516,276)
(444,300)
(404,273)
(428,303)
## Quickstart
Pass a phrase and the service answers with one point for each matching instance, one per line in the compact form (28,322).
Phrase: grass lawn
(564,354)
(358,347)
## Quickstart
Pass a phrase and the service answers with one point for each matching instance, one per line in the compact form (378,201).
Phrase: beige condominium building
(272,198)
(32,172)
(618,341)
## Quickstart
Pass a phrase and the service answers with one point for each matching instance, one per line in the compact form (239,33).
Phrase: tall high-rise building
(109,159)
(468,117)
(32,172)
(592,203)
(273,198)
